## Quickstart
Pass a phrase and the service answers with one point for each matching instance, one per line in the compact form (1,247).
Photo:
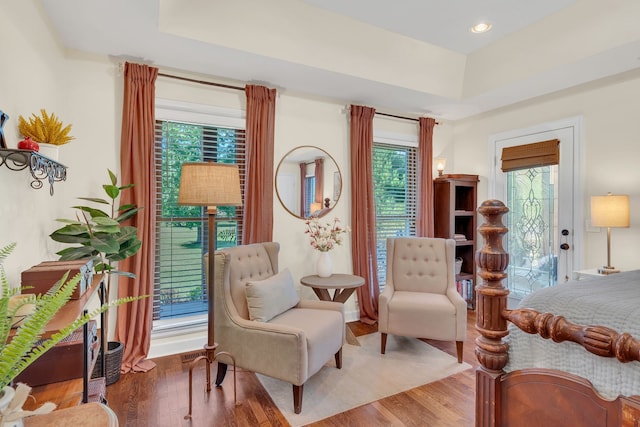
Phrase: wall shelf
(41,167)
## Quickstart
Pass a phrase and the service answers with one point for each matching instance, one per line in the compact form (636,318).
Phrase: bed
(539,365)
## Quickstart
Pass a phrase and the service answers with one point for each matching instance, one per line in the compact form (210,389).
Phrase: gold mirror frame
(288,181)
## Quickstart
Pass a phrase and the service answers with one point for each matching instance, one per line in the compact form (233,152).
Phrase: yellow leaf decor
(46,128)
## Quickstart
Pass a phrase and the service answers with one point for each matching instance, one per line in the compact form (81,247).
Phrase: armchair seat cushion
(320,327)
(408,317)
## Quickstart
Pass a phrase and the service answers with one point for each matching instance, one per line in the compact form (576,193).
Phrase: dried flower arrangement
(325,237)
(46,128)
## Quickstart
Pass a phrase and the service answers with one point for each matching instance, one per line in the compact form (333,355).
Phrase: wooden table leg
(350,336)
(322,294)
(342,295)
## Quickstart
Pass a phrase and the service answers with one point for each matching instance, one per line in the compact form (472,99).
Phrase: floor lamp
(209,184)
(609,211)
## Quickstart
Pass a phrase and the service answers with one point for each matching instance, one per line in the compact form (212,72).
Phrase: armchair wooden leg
(383,342)
(222,371)
(459,345)
(297,398)
(338,357)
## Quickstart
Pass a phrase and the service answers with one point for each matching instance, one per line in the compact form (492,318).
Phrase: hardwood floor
(160,397)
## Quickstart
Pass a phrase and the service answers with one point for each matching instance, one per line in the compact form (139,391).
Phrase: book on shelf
(460,237)
(465,289)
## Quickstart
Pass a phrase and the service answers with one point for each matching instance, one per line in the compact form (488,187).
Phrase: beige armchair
(288,338)
(420,298)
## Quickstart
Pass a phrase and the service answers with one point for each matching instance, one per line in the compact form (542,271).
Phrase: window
(181,231)
(309,194)
(395,192)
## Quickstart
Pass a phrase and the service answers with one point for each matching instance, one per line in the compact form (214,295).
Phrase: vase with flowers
(324,237)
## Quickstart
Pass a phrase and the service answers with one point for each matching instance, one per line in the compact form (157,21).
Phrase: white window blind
(395,192)
(181,231)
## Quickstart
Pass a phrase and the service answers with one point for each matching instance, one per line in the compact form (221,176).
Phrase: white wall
(81,91)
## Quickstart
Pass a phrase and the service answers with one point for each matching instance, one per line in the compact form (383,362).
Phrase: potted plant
(103,236)
(44,129)
(20,347)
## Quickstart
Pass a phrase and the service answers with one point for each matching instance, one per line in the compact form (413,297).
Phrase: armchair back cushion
(272,296)
(415,260)
(251,263)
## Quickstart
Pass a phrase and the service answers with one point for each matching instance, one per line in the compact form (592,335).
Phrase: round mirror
(308,182)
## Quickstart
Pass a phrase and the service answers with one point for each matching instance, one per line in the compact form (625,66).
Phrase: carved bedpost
(491,349)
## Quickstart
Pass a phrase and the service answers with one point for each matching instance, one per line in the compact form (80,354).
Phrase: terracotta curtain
(319,174)
(424,220)
(303,190)
(257,223)
(363,217)
(137,167)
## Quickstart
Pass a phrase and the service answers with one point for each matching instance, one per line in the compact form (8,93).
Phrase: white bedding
(612,301)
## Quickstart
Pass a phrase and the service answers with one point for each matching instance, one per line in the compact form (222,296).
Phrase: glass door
(532,199)
(545,215)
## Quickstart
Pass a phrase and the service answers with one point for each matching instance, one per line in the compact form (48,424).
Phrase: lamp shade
(610,211)
(209,184)
(440,163)
(315,207)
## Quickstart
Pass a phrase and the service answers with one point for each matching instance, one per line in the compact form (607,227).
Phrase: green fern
(23,349)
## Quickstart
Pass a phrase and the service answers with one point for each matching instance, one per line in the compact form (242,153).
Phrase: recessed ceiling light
(482,27)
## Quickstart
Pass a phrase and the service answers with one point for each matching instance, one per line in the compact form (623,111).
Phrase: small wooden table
(344,285)
(92,414)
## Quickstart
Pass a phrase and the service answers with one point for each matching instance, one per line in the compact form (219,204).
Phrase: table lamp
(209,184)
(609,211)
(440,163)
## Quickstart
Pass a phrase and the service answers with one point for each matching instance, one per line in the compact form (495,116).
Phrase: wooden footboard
(537,397)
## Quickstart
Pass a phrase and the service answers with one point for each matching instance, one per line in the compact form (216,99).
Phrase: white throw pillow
(272,296)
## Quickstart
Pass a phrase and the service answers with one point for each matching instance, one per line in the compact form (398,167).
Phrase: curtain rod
(200,81)
(171,76)
(400,117)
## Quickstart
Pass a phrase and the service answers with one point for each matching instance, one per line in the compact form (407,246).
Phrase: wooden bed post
(491,348)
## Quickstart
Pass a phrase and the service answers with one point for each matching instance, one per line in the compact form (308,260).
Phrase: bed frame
(537,397)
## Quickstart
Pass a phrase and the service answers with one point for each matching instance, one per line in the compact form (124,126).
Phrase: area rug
(366,376)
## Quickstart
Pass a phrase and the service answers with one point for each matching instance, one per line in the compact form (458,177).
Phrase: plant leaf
(72,254)
(106,221)
(106,244)
(70,238)
(113,177)
(95,200)
(95,213)
(128,214)
(112,191)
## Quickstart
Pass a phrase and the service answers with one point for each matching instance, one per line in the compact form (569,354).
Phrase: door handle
(565,246)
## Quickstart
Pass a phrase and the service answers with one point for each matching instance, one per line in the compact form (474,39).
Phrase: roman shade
(528,156)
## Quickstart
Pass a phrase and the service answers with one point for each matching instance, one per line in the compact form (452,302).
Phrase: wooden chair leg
(222,371)
(383,342)
(338,357)
(297,398)
(459,349)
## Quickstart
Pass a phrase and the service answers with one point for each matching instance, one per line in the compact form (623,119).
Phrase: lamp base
(608,270)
